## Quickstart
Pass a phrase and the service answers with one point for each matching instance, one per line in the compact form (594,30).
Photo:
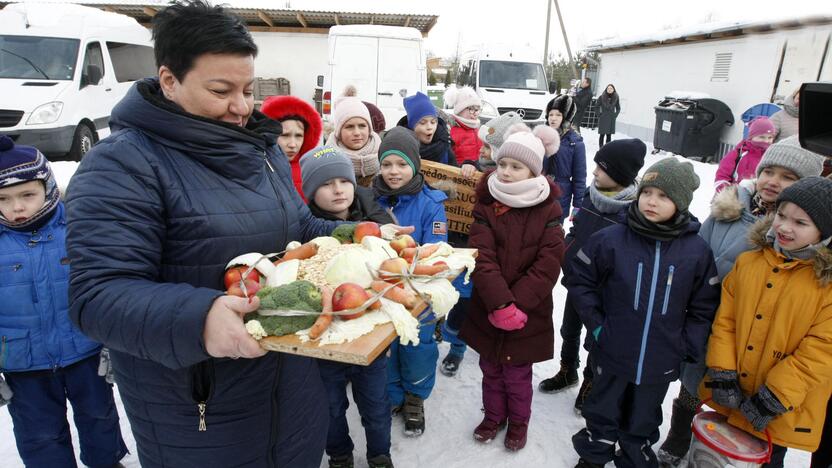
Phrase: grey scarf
(608,205)
(805,253)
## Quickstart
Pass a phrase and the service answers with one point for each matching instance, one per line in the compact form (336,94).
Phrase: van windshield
(514,75)
(37,58)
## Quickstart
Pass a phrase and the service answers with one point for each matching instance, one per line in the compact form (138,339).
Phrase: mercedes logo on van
(521,113)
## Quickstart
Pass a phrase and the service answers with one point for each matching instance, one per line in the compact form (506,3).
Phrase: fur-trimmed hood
(822,262)
(729,204)
(282,108)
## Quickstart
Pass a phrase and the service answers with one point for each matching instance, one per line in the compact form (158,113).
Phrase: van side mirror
(553,87)
(92,75)
(320,81)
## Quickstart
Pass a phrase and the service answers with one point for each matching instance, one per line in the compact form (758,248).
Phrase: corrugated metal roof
(279,19)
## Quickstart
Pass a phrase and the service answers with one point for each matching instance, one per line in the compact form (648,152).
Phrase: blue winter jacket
(155,211)
(726,230)
(589,220)
(654,301)
(35,331)
(568,168)
(425,211)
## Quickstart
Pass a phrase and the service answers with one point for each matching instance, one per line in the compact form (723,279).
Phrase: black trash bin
(691,127)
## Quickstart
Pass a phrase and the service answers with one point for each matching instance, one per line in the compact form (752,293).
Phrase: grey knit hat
(401,141)
(321,164)
(814,195)
(495,131)
(789,154)
(675,178)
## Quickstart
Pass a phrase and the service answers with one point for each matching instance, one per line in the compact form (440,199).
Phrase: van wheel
(82,142)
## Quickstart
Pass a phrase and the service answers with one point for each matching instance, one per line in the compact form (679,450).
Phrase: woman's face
(395,172)
(355,133)
(610,89)
(291,140)
(218,87)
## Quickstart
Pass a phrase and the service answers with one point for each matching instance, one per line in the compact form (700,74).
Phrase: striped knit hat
(19,164)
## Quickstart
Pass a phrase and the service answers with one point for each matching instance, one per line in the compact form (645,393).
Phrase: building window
(722,66)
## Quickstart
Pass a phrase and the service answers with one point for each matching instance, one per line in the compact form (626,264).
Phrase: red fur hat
(282,108)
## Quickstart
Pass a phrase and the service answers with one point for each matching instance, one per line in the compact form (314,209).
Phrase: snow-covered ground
(453,410)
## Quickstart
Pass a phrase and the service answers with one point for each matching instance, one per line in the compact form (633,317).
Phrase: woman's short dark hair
(188,29)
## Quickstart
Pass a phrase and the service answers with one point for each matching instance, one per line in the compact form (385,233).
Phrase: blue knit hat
(417,107)
(321,164)
(19,164)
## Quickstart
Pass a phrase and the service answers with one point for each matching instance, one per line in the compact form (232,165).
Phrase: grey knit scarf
(614,204)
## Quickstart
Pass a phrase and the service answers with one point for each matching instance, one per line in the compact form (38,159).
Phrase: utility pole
(546,44)
(565,40)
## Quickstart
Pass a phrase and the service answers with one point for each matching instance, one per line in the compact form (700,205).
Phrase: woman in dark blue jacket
(189,178)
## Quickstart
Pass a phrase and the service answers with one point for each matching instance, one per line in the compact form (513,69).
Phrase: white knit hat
(530,148)
(347,107)
(461,98)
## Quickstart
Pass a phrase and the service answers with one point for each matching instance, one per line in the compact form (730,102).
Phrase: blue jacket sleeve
(702,307)
(584,280)
(115,235)
(578,175)
(433,213)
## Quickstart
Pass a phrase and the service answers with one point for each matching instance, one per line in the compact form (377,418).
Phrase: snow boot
(341,461)
(565,378)
(487,430)
(450,365)
(380,461)
(586,387)
(516,436)
(585,464)
(414,415)
(676,446)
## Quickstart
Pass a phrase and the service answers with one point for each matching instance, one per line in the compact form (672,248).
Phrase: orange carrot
(402,296)
(305,251)
(426,251)
(323,321)
(429,270)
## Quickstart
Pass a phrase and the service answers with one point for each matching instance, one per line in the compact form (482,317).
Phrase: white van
(507,79)
(62,69)
(384,63)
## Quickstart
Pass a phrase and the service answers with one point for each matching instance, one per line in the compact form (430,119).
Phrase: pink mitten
(508,318)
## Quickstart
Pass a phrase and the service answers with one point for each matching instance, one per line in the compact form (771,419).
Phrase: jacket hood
(822,262)
(282,108)
(729,204)
(213,143)
(484,195)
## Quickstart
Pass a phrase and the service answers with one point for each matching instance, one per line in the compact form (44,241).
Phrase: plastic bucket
(717,444)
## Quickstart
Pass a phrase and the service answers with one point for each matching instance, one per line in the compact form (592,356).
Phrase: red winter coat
(519,258)
(466,143)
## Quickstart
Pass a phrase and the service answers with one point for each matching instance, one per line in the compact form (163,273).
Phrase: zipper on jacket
(648,313)
(266,158)
(638,285)
(201,407)
(279,198)
(667,288)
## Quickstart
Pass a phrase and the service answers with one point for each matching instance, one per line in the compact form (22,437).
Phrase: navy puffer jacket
(154,213)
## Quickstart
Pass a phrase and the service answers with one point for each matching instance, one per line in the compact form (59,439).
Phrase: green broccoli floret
(278,326)
(344,233)
(297,295)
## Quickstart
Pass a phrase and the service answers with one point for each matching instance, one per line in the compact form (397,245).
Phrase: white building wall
(643,77)
(298,57)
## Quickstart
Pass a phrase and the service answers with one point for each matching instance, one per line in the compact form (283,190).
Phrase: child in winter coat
(430,129)
(329,185)
(517,231)
(733,212)
(465,122)
(741,162)
(647,291)
(44,358)
(401,189)
(568,166)
(770,352)
(610,194)
(493,134)
(354,135)
(301,130)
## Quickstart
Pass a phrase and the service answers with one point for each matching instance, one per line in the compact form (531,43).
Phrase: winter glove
(573,214)
(761,408)
(105,366)
(508,318)
(725,387)
(6,392)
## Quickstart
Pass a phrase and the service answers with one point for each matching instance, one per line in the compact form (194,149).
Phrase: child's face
(772,181)
(794,228)
(395,172)
(470,112)
(764,138)
(291,140)
(603,181)
(655,205)
(485,151)
(19,202)
(424,129)
(335,196)
(355,133)
(555,118)
(512,170)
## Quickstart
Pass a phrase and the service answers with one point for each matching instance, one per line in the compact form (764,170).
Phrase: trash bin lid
(713,430)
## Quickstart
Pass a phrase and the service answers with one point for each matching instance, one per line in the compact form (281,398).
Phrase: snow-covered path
(453,410)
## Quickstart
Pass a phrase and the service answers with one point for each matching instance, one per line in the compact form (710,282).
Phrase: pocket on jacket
(13,271)
(15,349)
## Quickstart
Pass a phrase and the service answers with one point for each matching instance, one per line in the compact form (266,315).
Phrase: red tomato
(233,274)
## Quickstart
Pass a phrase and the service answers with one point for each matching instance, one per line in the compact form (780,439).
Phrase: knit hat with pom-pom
(346,107)
(20,164)
(530,147)
(461,98)
(495,131)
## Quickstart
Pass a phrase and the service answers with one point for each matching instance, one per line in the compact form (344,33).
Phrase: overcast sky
(524,21)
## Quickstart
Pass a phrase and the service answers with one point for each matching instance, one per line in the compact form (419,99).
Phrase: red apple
(396,266)
(365,228)
(233,275)
(402,242)
(349,296)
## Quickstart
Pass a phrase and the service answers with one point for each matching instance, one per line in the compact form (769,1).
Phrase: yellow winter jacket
(774,327)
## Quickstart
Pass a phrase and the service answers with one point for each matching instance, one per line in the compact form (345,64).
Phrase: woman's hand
(225,334)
